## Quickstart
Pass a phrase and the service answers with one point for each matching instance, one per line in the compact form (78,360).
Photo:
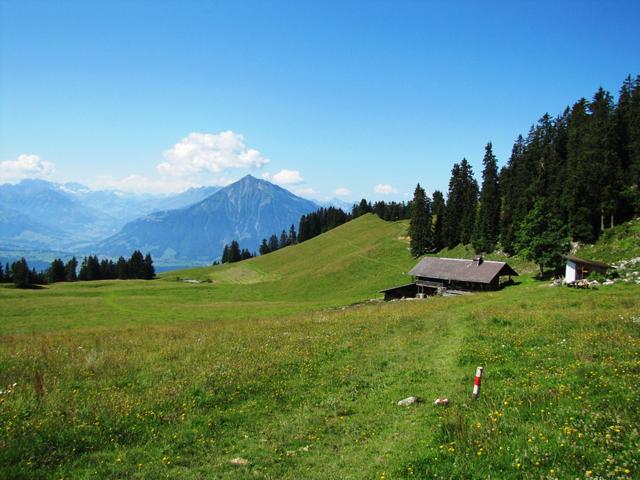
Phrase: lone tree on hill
(542,238)
(420,229)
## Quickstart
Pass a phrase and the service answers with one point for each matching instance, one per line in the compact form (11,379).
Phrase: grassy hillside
(348,264)
(618,243)
(167,379)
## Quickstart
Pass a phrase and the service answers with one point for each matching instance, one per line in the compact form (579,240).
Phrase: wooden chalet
(579,268)
(440,275)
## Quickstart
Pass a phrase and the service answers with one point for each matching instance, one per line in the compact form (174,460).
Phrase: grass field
(167,379)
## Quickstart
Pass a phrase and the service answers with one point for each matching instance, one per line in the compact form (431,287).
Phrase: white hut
(579,268)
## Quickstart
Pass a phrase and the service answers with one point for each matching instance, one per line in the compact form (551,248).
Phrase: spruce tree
(83,274)
(264,248)
(453,211)
(122,269)
(234,252)
(469,202)
(628,136)
(136,266)
(149,269)
(602,153)
(438,224)
(420,228)
(284,239)
(487,228)
(303,229)
(94,272)
(21,274)
(70,270)
(273,243)
(225,254)
(581,202)
(56,271)
(511,197)
(292,235)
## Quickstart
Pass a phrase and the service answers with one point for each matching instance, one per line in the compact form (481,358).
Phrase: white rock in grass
(239,462)
(407,401)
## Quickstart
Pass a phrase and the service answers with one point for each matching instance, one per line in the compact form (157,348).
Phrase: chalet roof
(586,262)
(461,270)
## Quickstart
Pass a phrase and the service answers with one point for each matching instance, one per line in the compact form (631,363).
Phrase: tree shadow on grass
(31,287)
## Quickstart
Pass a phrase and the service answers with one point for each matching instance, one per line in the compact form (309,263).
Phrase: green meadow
(281,367)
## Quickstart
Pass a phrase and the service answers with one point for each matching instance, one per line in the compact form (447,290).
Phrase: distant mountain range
(41,219)
(247,210)
(36,214)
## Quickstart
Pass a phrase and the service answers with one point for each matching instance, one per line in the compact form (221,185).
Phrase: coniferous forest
(570,178)
(91,268)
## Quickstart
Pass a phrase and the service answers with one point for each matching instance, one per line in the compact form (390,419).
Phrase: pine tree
(264,248)
(453,210)
(469,198)
(292,235)
(303,229)
(107,269)
(21,274)
(2,278)
(511,197)
(273,243)
(70,270)
(122,269)
(438,225)
(602,144)
(581,202)
(83,274)
(135,265)
(225,254)
(56,271)
(420,228)
(284,240)
(94,271)
(487,227)
(628,136)
(234,252)
(149,269)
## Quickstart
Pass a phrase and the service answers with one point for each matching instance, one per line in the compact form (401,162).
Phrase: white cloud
(284,177)
(342,192)
(384,189)
(210,152)
(306,191)
(287,177)
(141,184)
(26,166)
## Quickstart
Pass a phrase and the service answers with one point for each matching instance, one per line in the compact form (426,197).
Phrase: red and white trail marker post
(476,383)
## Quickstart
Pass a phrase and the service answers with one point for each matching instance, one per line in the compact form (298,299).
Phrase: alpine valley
(44,220)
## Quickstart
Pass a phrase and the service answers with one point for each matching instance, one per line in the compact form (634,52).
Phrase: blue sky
(318,96)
